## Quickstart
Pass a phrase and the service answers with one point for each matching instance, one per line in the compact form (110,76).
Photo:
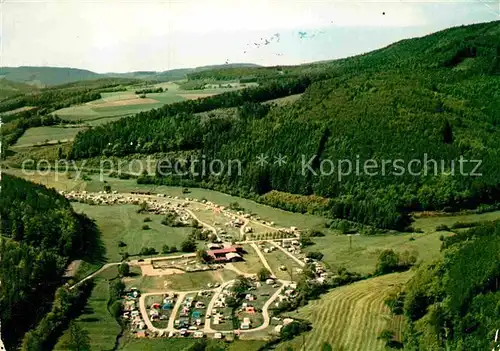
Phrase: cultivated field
(115,105)
(350,317)
(42,135)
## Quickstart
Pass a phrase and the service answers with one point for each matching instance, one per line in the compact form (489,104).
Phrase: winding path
(265,310)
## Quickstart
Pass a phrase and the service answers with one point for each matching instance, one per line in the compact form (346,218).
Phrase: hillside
(50,76)
(453,303)
(434,97)
(349,317)
(40,233)
(9,89)
(46,76)
(176,74)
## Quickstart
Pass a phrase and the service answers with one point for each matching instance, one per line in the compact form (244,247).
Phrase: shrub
(147,251)
(315,255)
(147,219)
(442,228)
(263,274)
(145,227)
(316,233)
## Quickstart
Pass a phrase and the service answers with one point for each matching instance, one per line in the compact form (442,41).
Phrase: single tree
(124,269)
(116,309)
(263,274)
(188,245)
(387,262)
(78,338)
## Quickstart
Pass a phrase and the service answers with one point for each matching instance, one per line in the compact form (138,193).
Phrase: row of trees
(150,90)
(66,306)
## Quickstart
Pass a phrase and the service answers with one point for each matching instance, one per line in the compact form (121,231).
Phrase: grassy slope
(122,223)
(39,135)
(96,319)
(8,88)
(98,110)
(350,317)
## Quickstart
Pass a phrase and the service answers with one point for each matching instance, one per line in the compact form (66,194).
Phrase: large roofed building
(228,254)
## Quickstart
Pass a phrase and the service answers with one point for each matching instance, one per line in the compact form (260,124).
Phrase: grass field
(40,135)
(362,256)
(267,213)
(123,223)
(429,224)
(102,327)
(252,263)
(124,103)
(278,258)
(350,317)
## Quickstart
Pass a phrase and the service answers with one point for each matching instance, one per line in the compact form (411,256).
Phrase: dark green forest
(435,97)
(40,235)
(453,303)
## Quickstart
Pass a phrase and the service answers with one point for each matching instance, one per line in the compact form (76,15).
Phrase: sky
(152,35)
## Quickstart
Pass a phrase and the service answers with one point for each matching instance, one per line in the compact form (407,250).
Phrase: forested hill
(50,76)
(434,97)
(40,234)
(453,304)
(46,76)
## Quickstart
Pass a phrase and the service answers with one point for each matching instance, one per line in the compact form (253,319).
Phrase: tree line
(40,235)
(452,303)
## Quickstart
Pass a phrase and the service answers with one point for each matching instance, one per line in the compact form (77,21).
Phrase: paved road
(171,322)
(210,307)
(265,309)
(301,263)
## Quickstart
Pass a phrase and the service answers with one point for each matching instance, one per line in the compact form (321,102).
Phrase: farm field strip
(350,316)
